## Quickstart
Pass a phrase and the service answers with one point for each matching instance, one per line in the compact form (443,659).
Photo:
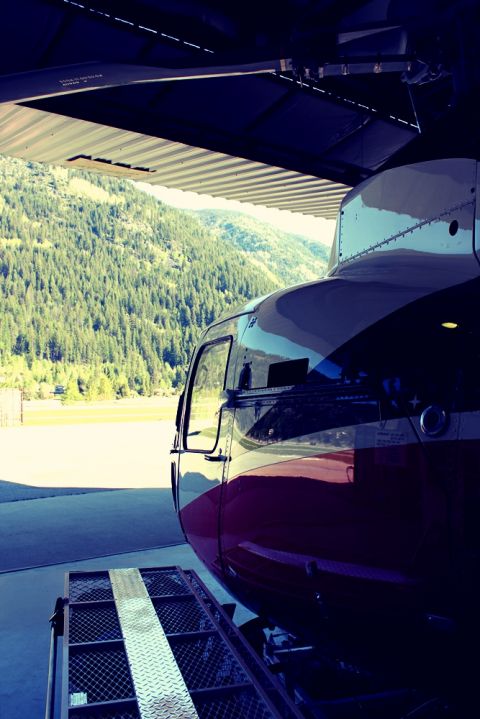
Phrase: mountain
(285,258)
(105,290)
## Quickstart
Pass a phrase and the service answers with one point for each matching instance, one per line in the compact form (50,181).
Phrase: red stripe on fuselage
(370,523)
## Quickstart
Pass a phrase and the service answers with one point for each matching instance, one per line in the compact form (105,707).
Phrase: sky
(313,227)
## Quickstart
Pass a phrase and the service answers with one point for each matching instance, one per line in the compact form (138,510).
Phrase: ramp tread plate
(159,686)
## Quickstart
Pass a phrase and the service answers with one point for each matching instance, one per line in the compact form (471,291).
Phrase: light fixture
(107,167)
(450,325)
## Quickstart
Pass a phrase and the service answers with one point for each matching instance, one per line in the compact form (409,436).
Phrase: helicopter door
(203,450)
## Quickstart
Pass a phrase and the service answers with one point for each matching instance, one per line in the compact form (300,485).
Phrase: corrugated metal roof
(40,136)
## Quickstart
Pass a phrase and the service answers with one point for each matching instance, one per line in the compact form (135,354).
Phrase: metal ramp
(155,644)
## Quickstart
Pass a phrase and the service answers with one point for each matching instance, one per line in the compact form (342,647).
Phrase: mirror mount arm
(228,397)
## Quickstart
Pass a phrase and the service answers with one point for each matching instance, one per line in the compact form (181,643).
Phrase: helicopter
(326,454)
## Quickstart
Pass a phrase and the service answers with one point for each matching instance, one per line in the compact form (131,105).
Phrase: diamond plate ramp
(155,644)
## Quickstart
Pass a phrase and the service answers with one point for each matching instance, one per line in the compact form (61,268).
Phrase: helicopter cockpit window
(206,396)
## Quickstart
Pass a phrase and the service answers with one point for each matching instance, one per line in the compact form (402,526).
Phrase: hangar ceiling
(285,105)
(56,139)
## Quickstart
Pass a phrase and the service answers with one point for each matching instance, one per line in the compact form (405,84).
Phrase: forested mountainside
(103,288)
(292,258)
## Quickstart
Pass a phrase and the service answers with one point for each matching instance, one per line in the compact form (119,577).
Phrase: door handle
(173,477)
(215,457)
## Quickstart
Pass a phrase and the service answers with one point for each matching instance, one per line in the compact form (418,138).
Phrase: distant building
(11,407)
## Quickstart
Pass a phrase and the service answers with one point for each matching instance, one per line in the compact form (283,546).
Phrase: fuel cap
(433,420)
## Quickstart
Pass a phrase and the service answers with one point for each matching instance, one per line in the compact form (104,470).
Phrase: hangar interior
(288,106)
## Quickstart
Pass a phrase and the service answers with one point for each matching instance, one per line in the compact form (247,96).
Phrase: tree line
(104,289)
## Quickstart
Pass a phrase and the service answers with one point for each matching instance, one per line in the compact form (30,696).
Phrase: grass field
(122,444)
(114,455)
(53,412)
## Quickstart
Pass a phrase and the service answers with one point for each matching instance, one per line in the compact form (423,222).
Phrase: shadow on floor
(16,492)
(69,528)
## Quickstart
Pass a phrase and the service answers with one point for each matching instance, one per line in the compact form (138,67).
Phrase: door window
(206,396)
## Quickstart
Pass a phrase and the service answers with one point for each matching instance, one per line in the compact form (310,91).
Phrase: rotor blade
(67,79)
